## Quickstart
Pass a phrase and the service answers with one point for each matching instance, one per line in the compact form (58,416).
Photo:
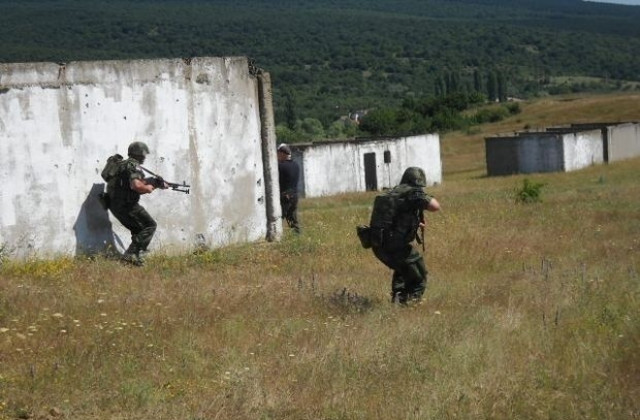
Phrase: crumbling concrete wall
(201,119)
(331,168)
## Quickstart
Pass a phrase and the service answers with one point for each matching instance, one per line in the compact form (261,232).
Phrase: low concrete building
(561,150)
(208,121)
(620,140)
(334,167)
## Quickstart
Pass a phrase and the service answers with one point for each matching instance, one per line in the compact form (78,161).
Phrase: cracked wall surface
(200,117)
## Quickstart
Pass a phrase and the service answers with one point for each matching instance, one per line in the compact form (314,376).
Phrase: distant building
(334,167)
(532,152)
(619,140)
(561,149)
(356,116)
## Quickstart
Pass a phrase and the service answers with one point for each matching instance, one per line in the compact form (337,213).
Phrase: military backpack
(392,222)
(110,173)
(112,167)
(383,218)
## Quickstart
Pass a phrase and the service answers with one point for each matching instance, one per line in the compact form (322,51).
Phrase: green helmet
(138,148)
(414,176)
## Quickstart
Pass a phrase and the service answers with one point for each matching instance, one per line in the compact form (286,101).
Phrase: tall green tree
(290,115)
(502,86)
(477,80)
(492,86)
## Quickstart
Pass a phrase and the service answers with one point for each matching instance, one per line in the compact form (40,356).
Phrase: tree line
(329,59)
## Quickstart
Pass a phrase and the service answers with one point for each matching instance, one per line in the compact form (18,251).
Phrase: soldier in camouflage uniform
(392,244)
(124,195)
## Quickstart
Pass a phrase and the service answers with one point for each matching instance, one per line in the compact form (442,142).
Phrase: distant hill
(329,57)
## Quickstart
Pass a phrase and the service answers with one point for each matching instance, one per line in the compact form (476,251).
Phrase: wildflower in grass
(57,315)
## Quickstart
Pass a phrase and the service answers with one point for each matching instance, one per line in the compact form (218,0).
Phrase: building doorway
(370,175)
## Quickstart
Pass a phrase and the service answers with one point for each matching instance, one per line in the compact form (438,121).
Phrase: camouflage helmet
(138,148)
(414,176)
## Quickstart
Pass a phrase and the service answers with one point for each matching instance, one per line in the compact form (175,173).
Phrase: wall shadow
(93,229)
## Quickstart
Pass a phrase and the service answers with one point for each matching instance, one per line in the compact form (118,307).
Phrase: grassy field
(532,310)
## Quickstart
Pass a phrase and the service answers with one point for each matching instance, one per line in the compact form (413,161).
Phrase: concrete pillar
(270,159)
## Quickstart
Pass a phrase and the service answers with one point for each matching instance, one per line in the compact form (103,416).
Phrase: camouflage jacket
(119,188)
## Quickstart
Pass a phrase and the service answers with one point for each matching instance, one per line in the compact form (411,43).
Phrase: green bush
(490,115)
(530,192)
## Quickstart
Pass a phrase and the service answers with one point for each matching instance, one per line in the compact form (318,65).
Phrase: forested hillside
(328,58)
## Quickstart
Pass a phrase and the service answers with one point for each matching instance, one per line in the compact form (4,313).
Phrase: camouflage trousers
(409,279)
(141,225)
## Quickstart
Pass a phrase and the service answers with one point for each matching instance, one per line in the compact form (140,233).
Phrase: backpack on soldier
(112,167)
(109,173)
(383,218)
(385,209)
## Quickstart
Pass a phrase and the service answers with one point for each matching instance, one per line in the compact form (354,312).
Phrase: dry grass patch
(531,312)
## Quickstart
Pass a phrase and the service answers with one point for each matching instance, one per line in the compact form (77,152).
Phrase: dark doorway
(370,176)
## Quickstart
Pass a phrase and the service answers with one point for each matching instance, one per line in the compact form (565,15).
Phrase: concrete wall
(550,151)
(620,140)
(623,141)
(200,118)
(582,149)
(338,167)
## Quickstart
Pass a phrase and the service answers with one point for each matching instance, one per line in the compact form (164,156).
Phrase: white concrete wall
(623,141)
(338,167)
(58,125)
(582,149)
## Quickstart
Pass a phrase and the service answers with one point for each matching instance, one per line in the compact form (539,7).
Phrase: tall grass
(532,312)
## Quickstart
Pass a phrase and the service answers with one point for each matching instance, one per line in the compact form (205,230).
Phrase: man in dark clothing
(124,192)
(391,240)
(289,174)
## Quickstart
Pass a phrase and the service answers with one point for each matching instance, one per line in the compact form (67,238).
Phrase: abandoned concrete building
(334,167)
(561,149)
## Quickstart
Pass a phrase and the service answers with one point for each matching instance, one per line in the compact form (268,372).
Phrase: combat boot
(131,258)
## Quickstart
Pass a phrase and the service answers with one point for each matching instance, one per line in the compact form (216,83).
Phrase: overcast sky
(629,2)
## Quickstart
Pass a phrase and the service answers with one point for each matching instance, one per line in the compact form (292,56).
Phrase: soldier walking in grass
(125,184)
(397,216)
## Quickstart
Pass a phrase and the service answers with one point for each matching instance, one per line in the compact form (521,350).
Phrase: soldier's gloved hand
(159,183)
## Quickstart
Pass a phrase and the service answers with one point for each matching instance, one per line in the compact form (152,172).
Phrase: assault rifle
(158,181)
